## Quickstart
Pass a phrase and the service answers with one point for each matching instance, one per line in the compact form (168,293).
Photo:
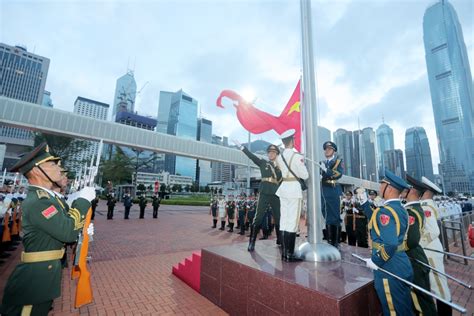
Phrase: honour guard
(127,203)
(242,207)
(110,205)
(230,207)
(422,303)
(388,226)
(430,239)
(142,203)
(94,204)
(294,174)
(221,206)
(251,209)
(213,212)
(271,178)
(48,223)
(156,205)
(331,171)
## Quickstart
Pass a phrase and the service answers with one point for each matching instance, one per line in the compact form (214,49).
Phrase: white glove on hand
(355,210)
(361,195)
(370,264)
(87,193)
(323,166)
(238,144)
(90,229)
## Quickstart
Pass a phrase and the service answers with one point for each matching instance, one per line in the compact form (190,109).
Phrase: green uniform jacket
(156,202)
(48,223)
(142,202)
(268,170)
(414,250)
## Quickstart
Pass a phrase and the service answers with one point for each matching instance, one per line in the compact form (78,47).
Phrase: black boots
(231,228)
(288,248)
(277,231)
(253,237)
(265,234)
(334,234)
(222,225)
(214,221)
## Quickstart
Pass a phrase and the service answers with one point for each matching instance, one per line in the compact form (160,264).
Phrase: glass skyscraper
(393,161)
(345,146)
(418,154)
(369,160)
(451,88)
(182,122)
(203,167)
(125,94)
(384,142)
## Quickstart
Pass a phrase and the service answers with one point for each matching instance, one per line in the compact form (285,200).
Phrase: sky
(369,55)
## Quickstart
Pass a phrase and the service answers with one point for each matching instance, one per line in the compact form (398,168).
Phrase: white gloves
(361,195)
(87,193)
(90,229)
(238,144)
(355,210)
(370,264)
(323,166)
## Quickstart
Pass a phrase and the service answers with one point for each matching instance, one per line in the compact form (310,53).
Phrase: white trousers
(290,210)
(438,283)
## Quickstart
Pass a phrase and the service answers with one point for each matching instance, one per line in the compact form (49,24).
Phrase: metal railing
(451,226)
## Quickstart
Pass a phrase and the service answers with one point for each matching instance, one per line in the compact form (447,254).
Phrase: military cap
(395,181)
(288,133)
(330,144)
(273,148)
(33,159)
(372,192)
(417,185)
(430,185)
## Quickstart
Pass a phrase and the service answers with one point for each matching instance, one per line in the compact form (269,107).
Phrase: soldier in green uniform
(111,201)
(231,214)
(156,205)
(271,178)
(48,223)
(251,208)
(242,207)
(142,203)
(422,303)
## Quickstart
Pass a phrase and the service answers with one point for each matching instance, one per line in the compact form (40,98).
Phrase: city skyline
(270,79)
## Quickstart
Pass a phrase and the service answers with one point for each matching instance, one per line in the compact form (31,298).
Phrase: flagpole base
(318,252)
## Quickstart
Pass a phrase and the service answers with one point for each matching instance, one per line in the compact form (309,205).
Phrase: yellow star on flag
(294,108)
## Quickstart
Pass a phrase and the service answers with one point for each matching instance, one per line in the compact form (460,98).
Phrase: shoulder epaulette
(42,194)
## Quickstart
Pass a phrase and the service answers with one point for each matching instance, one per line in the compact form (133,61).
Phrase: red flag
(257,121)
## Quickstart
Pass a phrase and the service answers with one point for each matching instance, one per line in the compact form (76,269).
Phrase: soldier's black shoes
(265,234)
(253,237)
(231,229)
(222,225)
(278,234)
(242,230)
(289,240)
(214,222)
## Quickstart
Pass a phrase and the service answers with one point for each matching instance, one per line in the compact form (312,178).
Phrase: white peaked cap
(431,185)
(287,133)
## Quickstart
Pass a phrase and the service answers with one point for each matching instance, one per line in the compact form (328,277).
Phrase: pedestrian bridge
(53,121)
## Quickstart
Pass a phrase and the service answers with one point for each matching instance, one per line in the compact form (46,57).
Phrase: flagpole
(314,249)
(248,168)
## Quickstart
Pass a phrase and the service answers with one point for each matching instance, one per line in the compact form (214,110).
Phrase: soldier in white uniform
(290,194)
(430,239)
(221,206)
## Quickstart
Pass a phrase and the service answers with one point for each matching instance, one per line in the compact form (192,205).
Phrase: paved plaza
(132,260)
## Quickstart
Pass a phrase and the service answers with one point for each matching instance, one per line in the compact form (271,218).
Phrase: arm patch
(49,212)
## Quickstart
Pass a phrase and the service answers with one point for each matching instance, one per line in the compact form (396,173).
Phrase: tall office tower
(384,142)
(452,97)
(47,101)
(345,147)
(221,172)
(394,162)
(418,154)
(23,77)
(356,161)
(203,167)
(182,122)
(125,94)
(97,110)
(368,157)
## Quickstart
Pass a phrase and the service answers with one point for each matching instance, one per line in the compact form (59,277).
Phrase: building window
(443,75)
(438,48)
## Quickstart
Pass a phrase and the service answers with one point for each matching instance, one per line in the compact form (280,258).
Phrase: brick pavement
(132,260)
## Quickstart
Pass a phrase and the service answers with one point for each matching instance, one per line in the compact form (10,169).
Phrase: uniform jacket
(291,189)
(156,202)
(268,169)
(334,169)
(127,201)
(48,223)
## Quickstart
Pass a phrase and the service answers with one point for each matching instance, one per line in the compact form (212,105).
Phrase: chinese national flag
(257,121)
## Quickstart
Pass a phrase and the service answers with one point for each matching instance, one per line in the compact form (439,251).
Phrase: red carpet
(189,271)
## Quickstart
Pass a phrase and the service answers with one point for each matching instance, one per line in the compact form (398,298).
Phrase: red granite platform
(243,283)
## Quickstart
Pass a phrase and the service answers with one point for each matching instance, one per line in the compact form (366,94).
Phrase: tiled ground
(132,261)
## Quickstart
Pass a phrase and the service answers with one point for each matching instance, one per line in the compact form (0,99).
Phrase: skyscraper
(182,122)
(47,99)
(203,167)
(394,162)
(452,97)
(356,161)
(368,157)
(418,154)
(384,142)
(125,94)
(324,135)
(345,147)
(23,77)
(94,109)
(221,172)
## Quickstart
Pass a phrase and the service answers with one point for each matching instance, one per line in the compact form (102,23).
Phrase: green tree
(163,187)
(64,147)
(180,188)
(141,187)
(187,188)
(119,169)
(207,189)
